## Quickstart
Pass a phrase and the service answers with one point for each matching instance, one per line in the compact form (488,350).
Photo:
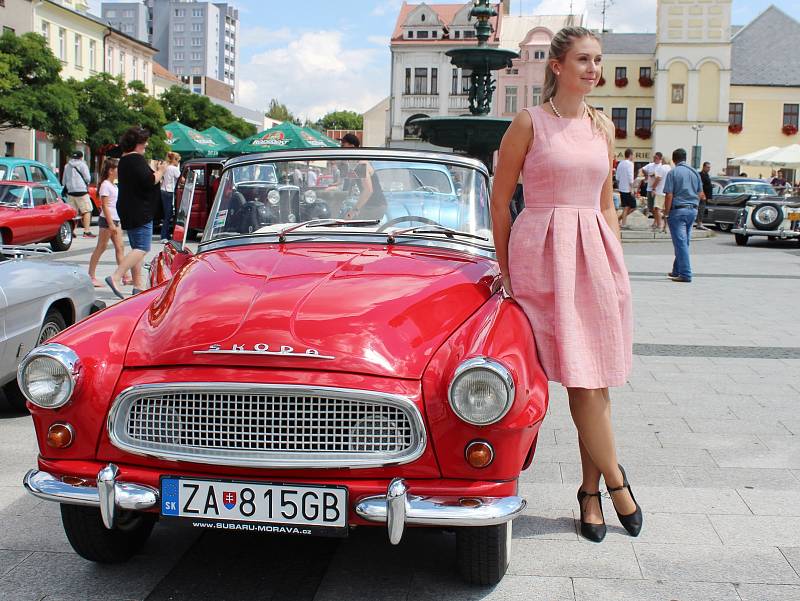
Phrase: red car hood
(363,310)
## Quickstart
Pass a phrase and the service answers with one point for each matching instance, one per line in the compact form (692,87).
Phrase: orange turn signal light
(60,436)
(479,453)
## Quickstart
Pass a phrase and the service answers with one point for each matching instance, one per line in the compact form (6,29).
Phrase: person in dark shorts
(625,186)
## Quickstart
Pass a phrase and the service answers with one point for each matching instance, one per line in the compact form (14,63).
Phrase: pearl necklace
(555,110)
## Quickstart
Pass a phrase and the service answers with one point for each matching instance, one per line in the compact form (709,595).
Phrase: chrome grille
(267,425)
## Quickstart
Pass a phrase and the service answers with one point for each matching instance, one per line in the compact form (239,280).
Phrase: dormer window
(410,35)
(469,34)
(422,35)
(458,35)
(434,34)
(538,55)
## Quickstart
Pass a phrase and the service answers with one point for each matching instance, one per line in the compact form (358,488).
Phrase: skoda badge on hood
(263,349)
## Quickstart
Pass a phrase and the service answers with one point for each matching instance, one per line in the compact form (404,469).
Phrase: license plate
(268,507)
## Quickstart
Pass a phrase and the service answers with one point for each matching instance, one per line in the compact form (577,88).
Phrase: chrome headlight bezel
(65,357)
(485,364)
(274,197)
(310,197)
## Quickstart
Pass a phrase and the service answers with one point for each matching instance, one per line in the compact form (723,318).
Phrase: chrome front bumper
(109,495)
(398,508)
(782,234)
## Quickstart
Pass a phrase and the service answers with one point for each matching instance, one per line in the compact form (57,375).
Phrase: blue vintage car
(19,169)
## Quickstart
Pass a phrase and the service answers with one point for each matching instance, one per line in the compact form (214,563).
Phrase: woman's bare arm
(607,194)
(513,148)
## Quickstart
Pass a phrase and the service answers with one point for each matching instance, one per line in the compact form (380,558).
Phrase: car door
(61,211)
(7,369)
(46,222)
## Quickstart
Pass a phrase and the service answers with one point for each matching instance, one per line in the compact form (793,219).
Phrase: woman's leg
(591,413)
(135,257)
(99,249)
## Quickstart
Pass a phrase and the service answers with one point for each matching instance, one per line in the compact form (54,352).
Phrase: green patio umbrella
(220,136)
(190,142)
(286,136)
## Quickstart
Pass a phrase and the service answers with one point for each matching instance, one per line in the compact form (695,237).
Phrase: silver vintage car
(38,299)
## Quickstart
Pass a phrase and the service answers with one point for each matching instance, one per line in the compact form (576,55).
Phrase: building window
(620,73)
(197,70)
(46,31)
(620,118)
(454,83)
(128,14)
(110,60)
(645,72)
(135,68)
(179,42)
(122,63)
(9,149)
(420,80)
(93,55)
(197,41)
(538,55)
(469,34)
(180,12)
(465,80)
(790,114)
(198,56)
(197,12)
(644,118)
(78,50)
(146,72)
(511,99)
(736,111)
(434,34)
(111,14)
(197,27)
(677,93)
(422,35)
(178,56)
(458,35)
(411,131)
(536,95)
(407,88)
(62,44)
(410,35)
(434,80)
(178,28)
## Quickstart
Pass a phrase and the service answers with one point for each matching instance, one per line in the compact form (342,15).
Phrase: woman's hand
(507,291)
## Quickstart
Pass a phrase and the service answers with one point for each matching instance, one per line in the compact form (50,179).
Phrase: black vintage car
(730,196)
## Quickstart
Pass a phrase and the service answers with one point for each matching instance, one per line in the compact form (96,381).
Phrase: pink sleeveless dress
(565,263)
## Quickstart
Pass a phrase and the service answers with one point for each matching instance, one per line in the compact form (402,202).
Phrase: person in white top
(168,183)
(649,172)
(625,187)
(660,198)
(109,228)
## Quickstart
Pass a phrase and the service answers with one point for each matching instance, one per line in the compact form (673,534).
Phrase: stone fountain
(475,134)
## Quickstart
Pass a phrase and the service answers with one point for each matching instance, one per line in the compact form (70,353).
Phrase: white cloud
(379,40)
(623,16)
(258,37)
(387,7)
(314,74)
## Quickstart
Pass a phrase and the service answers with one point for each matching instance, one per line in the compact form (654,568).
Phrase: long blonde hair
(559,47)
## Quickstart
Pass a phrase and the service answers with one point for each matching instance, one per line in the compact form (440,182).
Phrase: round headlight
(48,375)
(274,197)
(310,197)
(482,391)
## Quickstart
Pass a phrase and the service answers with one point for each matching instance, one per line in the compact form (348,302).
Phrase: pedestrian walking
(108,222)
(660,174)
(683,190)
(563,263)
(625,185)
(76,179)
(139,188)
(649,173)
(708,191)
(168,183)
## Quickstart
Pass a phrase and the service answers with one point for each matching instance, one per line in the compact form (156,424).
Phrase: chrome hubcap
(66,233)
(49,330)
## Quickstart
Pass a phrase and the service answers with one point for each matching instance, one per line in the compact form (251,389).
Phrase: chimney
(506,7)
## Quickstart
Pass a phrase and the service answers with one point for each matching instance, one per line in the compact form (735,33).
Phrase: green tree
(199,112)
(280,112)
(148,113)
(341,120)
(32,93)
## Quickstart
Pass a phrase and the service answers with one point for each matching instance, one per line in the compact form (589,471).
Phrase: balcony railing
(459,101)
(420,101)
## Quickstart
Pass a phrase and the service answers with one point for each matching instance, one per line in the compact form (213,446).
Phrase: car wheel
(93,541)
(53,323)
(767,216)
(63,239)
(483,553)
(724,227)
(741,239)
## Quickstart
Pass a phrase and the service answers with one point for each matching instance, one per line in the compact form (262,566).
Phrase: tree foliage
(32,94)
(280,112)
(341,120)
(199,112)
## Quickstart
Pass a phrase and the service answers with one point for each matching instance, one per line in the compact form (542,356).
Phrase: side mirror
(181,231)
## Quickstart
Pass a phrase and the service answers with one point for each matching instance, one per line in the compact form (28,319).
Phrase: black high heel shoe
(633,521)
(593,532)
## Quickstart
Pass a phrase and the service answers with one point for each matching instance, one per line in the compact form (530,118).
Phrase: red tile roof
(446,14)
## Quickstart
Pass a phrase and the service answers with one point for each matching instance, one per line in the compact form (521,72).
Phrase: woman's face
(581,67)
(112,173)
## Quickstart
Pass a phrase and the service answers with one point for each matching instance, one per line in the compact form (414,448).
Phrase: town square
(388,283)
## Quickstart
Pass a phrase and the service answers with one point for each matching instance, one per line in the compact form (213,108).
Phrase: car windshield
(10,194)
(378,196)
(757,188)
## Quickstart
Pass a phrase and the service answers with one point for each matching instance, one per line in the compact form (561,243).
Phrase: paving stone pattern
(708,428)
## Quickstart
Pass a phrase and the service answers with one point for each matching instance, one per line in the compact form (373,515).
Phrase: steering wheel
(408,218)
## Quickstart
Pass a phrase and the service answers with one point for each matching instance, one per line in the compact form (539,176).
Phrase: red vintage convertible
(31,212)
(302,377)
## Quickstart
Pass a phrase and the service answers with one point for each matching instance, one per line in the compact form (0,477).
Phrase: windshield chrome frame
(343,154)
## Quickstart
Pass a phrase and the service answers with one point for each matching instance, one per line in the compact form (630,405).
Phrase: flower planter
(644,133)
(621,134)
(789,130)
(646,82)
(621,82)
(735,128)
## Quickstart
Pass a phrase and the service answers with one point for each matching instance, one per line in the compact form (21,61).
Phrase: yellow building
(76,38)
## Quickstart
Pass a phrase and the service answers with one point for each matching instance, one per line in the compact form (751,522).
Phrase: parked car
(776,217)
(38,299)
(206,173)
(31,213)
(730,196)
(300,379)
(26,170)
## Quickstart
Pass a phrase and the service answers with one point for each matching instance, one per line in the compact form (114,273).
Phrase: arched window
(411,131)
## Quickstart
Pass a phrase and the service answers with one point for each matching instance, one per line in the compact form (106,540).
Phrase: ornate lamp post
(696,149)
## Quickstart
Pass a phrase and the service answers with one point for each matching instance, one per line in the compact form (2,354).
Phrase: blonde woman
(109,228)
(168,183)
(563,263)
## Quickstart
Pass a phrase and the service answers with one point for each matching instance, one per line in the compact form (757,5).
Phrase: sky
(317,56)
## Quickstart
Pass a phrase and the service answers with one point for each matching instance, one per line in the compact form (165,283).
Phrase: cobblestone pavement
(708,429)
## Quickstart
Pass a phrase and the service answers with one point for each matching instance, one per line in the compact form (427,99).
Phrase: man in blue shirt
(684,191)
